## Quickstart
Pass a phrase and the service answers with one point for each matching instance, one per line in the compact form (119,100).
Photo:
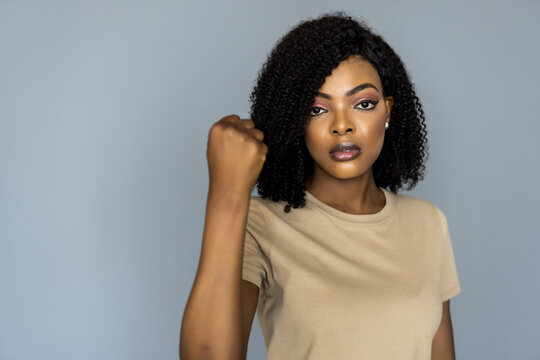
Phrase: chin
(349,172)
(348,176)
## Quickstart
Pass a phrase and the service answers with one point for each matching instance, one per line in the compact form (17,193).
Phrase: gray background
(105,107)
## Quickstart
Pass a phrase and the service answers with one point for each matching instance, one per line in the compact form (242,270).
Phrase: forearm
(212,322)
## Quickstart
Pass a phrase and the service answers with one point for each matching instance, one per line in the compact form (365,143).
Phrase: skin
(442,347)
(220,310)
(349,186)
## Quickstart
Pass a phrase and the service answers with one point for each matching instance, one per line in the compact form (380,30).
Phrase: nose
(342,124)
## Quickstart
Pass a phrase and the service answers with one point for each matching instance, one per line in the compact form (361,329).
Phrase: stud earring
(386,125)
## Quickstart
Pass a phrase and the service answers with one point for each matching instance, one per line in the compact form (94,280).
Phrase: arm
(443,341)
(212,322)
(215,322)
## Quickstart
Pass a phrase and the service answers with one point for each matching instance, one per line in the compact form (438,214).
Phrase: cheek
(377,125)
(372,131)
(308,138)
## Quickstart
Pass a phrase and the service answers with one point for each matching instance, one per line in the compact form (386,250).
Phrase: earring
(386,125)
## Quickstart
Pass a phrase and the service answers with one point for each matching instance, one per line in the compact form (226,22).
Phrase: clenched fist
(235,155)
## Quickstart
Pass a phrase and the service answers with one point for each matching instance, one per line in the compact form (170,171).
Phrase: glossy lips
(345,151)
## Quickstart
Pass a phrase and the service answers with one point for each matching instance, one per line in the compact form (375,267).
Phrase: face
(349,110)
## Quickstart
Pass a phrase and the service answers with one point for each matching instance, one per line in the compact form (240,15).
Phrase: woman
(336,263)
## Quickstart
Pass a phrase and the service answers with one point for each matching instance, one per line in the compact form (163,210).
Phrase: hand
(235,154)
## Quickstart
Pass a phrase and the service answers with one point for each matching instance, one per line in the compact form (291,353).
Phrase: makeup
(345,151)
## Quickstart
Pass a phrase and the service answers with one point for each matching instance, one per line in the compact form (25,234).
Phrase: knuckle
(231,117)
(218,124)
(230,131)
(213,129)
(217,130)
(259,132)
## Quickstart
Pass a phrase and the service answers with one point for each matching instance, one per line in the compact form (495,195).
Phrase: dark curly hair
(283,96)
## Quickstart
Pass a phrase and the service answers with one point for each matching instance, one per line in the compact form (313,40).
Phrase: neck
(358,195)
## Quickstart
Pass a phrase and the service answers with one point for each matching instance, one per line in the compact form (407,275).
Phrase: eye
(316,111)
(366,104)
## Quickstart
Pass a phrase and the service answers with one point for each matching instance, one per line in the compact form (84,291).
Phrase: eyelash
(374,103)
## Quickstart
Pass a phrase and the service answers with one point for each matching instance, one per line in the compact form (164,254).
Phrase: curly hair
(285,90)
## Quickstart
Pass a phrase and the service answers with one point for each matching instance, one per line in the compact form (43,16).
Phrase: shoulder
(262,205)
(260,210)
(255,217)
(418,207)
(257,204)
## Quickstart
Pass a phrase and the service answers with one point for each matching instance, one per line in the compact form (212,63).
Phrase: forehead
(350,73)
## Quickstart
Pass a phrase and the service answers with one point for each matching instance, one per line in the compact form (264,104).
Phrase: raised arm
(216,318)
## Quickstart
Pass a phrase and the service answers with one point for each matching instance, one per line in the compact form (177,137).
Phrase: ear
(388,102)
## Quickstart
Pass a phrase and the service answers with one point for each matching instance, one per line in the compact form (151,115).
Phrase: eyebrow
(350,92)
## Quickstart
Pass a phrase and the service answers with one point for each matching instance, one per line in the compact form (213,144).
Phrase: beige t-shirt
(349,287)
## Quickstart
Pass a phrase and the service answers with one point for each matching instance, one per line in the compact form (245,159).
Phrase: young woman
(335,262)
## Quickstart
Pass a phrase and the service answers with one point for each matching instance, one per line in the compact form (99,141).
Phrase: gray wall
(104,111)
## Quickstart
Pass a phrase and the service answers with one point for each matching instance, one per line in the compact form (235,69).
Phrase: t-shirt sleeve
(449,281)
(256,256)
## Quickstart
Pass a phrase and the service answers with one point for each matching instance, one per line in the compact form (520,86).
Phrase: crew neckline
(358,218)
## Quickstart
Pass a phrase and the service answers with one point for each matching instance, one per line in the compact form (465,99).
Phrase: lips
(345,151)
(345,147)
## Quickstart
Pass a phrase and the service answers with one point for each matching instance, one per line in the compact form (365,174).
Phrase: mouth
(345,151)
